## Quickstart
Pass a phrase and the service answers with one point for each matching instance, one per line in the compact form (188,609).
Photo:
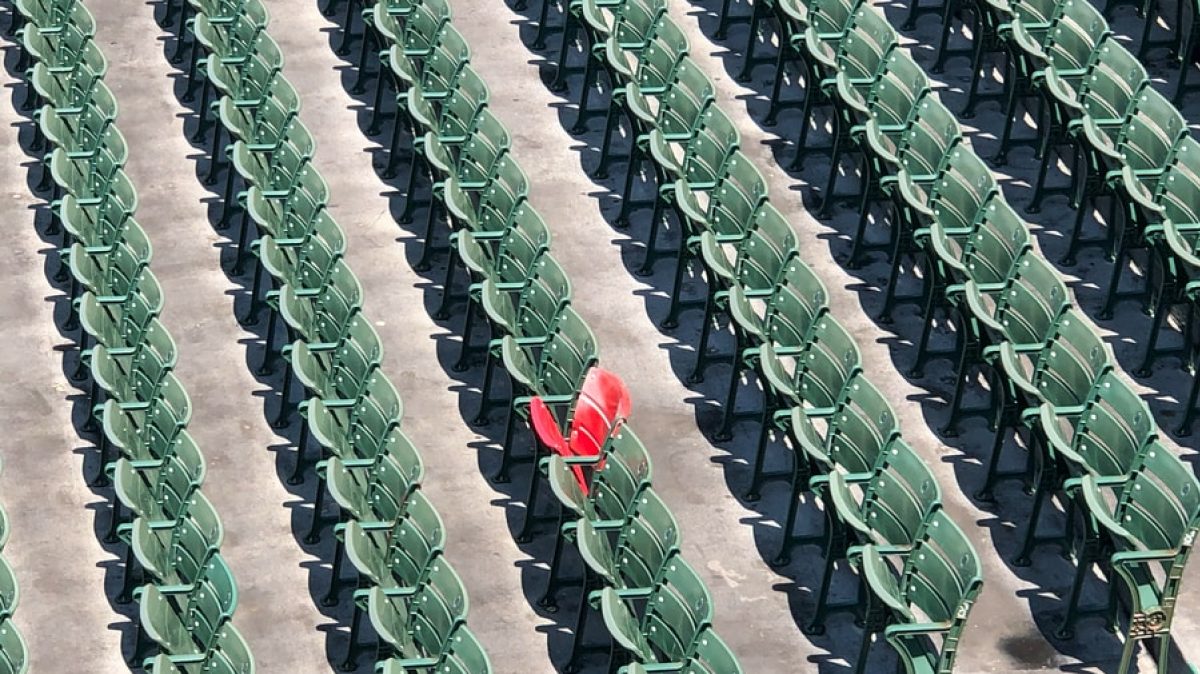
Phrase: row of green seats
(14,654)
(1091,437)
(172,531)
(536,336)
(387,528)
(846,441)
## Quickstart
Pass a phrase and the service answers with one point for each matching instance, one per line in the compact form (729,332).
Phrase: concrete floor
(61,562)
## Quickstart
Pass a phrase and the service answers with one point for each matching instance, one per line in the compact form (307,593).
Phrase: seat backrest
(518,254)
(959,195)
(1032,301)
(102,223)
(895,96)
(1178,190)
(655,64)
(634,21)
(379,411)
(437,609)
(943,578)
(449,55)
(1070,364)
(14,654)
(1111,432)
(677,611)
(763,256)
(601,408)
(1152,131)
(213,602)
(1112,82)
(416,541)
(464,655)
(10,591)
(1035,12)
(1159,507)
(61,48)
(459,109)
(814,373)
(861,428)
(733,204)
(1074,35)
(623,475)
(831,16)
(501,201)
(710,655)
(232,654)
(422,25)
(897,501)
(711,149)
(999,239)
(689,94)
(863,52)
(644,544)
(796,305)
(929,138)
(566,357)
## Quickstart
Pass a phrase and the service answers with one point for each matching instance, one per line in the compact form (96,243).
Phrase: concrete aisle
(273,573)
(56,520)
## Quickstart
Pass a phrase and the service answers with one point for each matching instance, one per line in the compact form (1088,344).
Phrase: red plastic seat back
(603,405)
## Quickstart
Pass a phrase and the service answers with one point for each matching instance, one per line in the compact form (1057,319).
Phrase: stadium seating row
(389,530)
(173,532)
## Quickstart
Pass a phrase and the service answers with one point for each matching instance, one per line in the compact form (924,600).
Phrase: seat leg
(314,529)
(816,626)
(1184,429)
(549,599)
(577,642)
(464,356)
(611,120)
(485,403)
(725,433)
(656,222)
(764,437)
(681,267)
(632,169)
(335,575)
(297,476)
(751,42)
(591,80)
(526,533)
(352,647)
(502,475)
(777,85)
(986,492)
(1039,185)
(917,370)
(381,84)
(697,375)
(285,403)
